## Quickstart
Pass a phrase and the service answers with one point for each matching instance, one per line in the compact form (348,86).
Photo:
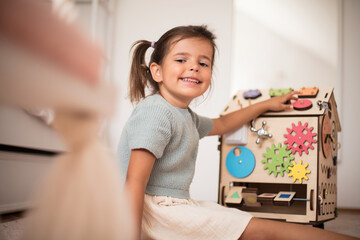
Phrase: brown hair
(140,75)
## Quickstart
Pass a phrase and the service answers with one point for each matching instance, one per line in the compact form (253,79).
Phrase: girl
(159,144)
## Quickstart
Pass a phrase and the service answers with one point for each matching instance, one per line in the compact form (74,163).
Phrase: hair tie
(153,44)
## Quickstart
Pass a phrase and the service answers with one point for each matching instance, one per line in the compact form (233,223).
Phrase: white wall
(297,43)
(281,43)
(148,20)
(311,58)
(348,169)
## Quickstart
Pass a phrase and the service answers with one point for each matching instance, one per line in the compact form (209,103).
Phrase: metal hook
(324,105)
(262,133)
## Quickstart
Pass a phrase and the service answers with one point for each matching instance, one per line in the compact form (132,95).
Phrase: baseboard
(353,210)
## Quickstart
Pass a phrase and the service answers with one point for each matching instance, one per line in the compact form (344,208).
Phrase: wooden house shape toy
(283,165)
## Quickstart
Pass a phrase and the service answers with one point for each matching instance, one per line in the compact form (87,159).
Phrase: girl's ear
(155,70)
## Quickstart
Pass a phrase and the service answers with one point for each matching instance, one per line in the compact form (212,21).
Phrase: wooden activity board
(283,165)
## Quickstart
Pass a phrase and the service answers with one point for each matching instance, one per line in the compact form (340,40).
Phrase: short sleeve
(204,125)
(149,128)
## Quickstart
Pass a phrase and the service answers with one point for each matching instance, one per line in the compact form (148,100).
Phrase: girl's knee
(255,229)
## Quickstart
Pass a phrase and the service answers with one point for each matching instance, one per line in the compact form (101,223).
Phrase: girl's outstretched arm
(138,174)
(235,120)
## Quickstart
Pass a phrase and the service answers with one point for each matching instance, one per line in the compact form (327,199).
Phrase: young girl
(159,144)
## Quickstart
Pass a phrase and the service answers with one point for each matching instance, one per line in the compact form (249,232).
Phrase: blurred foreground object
(45,62)
(81,196)
(48,63)
(32,25)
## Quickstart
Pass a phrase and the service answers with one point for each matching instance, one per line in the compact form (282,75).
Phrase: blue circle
(240,166)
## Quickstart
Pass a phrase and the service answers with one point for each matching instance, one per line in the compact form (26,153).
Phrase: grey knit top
(172,134)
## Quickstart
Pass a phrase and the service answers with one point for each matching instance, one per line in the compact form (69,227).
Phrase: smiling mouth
(190,80)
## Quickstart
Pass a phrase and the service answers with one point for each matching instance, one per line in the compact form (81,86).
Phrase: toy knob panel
(240,162)
(302,104)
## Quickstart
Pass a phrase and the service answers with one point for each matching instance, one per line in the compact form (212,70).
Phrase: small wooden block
(284,198)
(234,195)
(308,92)
(250,197)
(266,198)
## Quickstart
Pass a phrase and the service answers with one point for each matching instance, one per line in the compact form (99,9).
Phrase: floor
(12,226)
(348,222)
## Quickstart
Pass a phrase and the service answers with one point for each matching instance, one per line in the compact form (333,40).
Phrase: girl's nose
(194,68)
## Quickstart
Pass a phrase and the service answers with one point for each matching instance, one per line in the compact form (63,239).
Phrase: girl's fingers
(287,106)
(292,94)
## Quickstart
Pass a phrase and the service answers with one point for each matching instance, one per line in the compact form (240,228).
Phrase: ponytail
(140,74)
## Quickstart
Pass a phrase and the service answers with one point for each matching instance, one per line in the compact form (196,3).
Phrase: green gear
(277,160)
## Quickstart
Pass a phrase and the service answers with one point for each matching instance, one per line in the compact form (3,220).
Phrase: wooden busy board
(297,157)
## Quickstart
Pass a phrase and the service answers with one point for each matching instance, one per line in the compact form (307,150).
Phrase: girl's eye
(180,60)
(203,64)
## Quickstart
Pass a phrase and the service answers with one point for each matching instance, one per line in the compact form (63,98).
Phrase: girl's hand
(279,103)
(236,119)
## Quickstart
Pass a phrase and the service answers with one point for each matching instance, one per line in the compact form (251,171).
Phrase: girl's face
(185,72)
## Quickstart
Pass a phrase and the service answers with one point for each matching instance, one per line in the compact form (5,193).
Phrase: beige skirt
(174,218)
